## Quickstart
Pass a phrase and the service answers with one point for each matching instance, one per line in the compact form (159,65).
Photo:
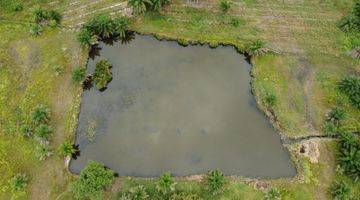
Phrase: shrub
(121,25)
(138,193)
(215,182)
(165,184)
(351,22)
(330,128)
(236,22)
(102,75)
(39,14)
(43,132)
(350,86)
(139,6)
(341,191)
(157,5)
(55,15)
(78,75)
(101,25)
(337,114)
(40,114)
(66,149)
(42,151)
(26,130)
(256,47)
(36,29)
(18,182)
(273,194)
(17,7)
(224,5)
(349,158)
(270,99)
(91,182)
(86,37)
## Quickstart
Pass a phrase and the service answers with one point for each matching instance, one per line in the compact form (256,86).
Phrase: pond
(185,110)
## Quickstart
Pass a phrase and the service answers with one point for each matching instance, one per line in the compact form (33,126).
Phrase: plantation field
(311,57)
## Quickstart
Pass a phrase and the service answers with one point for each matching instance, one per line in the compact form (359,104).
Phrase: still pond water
(186,110)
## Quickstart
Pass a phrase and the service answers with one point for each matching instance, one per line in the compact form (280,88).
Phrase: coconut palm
(101,25)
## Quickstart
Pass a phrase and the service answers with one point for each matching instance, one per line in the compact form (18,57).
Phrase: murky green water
(180,109)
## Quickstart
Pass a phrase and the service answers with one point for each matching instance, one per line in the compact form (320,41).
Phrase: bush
(78,75)
(17,7)
(86,37)
(91,182)
(18,182)
(102,75)
(337,114)
(139,6)
(273,194)
(256,47)
(330,128)
(39,14)
(270,99)
(349,158)
(41,114)
(165,184)
(42,151)
(157,5)
(215,182)
(43,132)
(350,85)
(224,5)
(341,191)
(139,193)
(36,29)
(26,130)
(66,149)
(55,15)
(352,21)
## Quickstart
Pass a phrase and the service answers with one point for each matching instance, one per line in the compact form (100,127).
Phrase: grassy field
(312,59)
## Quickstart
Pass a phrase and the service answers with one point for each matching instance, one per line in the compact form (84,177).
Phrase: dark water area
(184,110)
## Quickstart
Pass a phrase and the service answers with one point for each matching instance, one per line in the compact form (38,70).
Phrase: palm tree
(101,25)
(139,6)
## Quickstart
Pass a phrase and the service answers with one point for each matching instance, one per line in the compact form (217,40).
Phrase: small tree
(91,182)
(43,132)
(40,114)
(273,194)
(224,6)
(66,149)
(18,182)
(101,25)
(121,25)
(42,151)
(86,38)
(139,6)
(341,191)
(102,75)
(165,184)
(78,75)
(215,182)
